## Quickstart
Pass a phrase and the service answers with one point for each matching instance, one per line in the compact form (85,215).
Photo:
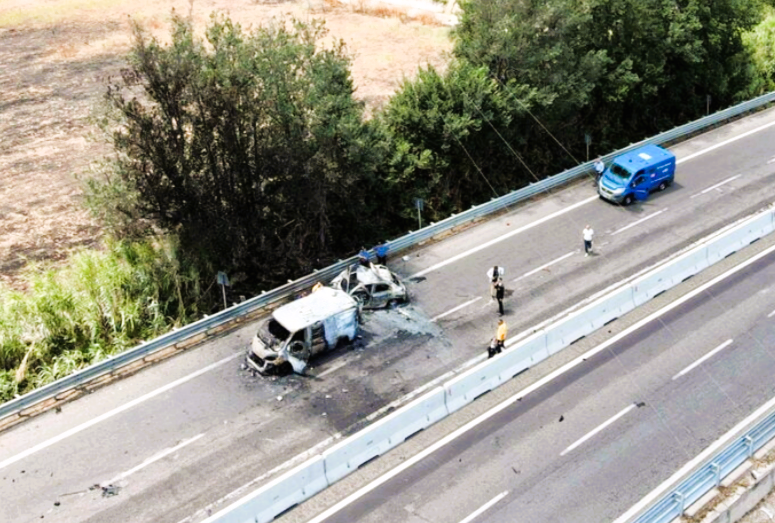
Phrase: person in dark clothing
(499,292)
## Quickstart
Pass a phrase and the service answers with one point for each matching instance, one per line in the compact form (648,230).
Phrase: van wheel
(662,186)
(627,200)
(391,304)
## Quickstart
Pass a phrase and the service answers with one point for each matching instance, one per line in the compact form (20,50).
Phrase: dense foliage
(619,70)
(100,303)
(250,147)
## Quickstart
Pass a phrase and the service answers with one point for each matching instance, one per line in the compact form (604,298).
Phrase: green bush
(98,304)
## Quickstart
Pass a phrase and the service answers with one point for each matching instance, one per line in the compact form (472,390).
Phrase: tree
(619,69)
(249,147)
(760,42)
(451,137)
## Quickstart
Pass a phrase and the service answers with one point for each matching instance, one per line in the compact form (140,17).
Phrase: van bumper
(610,196)
(261,365)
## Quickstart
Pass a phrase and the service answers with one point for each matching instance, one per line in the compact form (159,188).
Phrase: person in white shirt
(587,233)
(599,168)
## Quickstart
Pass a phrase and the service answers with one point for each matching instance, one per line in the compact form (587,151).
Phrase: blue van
(633,175)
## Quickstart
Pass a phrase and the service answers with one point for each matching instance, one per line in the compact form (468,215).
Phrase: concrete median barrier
(587,320)
(522,356)
(277,496)
(465,388)
(740,236)
(392,430)
(669,275)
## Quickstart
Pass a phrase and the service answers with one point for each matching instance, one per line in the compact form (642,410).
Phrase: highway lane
(592,442)
(251,426)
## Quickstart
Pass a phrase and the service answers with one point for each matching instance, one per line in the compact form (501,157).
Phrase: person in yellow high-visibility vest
(500,338)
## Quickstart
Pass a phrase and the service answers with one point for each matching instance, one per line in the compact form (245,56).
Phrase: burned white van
(302,329)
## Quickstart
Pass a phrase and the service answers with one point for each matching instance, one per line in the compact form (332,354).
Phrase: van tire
(284,369)
(627,200)
(662,186)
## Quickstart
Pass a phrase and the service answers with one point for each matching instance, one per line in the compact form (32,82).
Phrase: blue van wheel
(662,186)
(627,200)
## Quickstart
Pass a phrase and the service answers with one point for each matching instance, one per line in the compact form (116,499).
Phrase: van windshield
(277,331)
(272,334)
(619,172)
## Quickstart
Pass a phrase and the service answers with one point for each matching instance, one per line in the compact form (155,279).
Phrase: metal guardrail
(710,474)
(409,240)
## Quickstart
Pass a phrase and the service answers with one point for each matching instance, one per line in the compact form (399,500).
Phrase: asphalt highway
(185,437)
(593,441)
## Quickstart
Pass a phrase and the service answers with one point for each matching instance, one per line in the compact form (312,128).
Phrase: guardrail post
(716,468)
(681,499)
(748,442)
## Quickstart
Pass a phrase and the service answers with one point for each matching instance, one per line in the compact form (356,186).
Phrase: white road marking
(770,315)
(734,432)
(484,507)
(332,369)
(466,304)
(111,413)
(699,361)
(452,436)
(771,160)
(732,178)
(151,460)
(598,429)
(490,243)
(574,206)
(544,266)
(726,142)
(633,224)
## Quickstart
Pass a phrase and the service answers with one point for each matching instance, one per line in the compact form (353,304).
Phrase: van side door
(640,186)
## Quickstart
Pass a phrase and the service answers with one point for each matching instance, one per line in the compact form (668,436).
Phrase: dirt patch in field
(55,57)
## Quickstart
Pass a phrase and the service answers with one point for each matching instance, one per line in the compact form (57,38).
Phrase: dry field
(56,54)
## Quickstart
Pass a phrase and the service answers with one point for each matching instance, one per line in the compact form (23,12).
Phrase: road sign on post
(223,281)
(418,202)
(588,142)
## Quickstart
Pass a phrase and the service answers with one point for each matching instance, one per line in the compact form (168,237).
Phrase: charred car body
(374,286)
(302,329)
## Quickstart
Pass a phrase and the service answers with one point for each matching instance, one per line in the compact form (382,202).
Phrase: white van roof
(321,304)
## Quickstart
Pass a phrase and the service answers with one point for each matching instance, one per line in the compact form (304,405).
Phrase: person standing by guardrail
(599,169)
(382,251)
(587,234)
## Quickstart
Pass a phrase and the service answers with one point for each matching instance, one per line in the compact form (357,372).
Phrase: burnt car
(374,286)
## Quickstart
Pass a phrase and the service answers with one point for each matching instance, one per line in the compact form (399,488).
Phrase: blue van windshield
(619,172)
